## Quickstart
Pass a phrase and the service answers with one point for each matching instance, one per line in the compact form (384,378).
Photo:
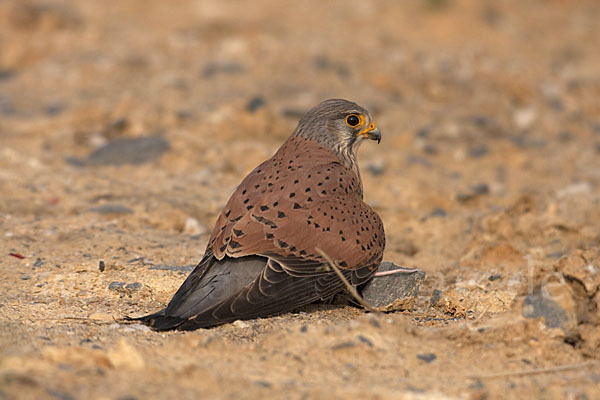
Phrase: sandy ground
(488,179)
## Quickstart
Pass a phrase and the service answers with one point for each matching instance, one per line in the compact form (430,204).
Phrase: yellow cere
(367,129)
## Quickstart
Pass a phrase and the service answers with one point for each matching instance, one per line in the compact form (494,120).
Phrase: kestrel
(261,257)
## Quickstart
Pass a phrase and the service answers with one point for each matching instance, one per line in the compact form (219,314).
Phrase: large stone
(393,292)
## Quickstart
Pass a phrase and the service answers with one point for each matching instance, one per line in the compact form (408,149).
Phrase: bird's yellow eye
(353,119)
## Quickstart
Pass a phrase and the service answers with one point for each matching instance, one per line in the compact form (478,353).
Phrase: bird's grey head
(339,125)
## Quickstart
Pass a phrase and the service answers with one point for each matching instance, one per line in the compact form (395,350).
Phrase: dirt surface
(487,179)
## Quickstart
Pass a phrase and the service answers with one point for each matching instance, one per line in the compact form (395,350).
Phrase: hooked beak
(371,132)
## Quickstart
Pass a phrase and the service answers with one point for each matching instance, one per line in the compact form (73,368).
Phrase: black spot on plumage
(302,252)
(343,239)
(282,243)
(238,232)
(264,208)
(246,201)
(293,248)
(233,244)
(292,195)
(256,186)
(223,248)
(317,225)
(280,214)
(343,264)
(269,235)
(307,190)
(296,206)
(265,221)
(249,207)
(227,213)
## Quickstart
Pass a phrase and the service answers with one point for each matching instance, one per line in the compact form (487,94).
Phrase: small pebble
(438,212)
(427,357)
(255,103)
(55,109)
(116,286)
(375,169)
(473,192)
(494,277)
(228,68)
(240,324)
(343,345)
(6,74)
(365,340)
(435,296)
(555,254)
(101,266)
(575,189)
(423,133)
(193,227)
(524,117)
(38,263)
(111,209)
(133,286)
(478,151)
(481,120)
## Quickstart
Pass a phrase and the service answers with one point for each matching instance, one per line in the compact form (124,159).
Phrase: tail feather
(158,321)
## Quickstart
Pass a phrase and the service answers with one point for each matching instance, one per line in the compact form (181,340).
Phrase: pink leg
(396,271)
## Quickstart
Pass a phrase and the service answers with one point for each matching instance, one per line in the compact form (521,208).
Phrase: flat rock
(393,292)
(111,209)
(537,305)
(129,151)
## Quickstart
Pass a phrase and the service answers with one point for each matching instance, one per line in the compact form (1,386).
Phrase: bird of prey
(261,257)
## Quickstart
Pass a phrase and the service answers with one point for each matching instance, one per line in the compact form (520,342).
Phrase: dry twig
(349,286)
(535,371)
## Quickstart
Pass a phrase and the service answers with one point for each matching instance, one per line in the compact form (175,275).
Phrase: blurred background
(125,126)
